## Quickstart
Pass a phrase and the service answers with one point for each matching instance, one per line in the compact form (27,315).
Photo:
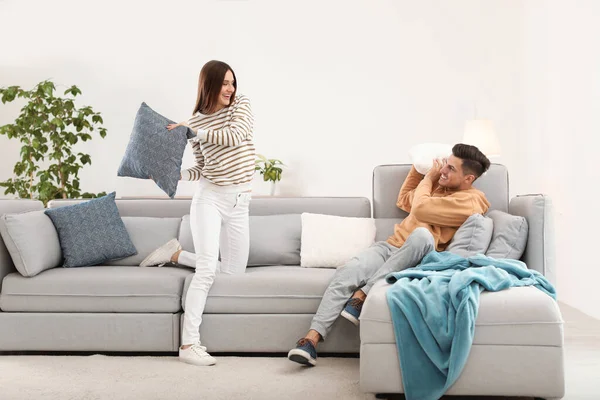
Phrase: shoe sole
(350,317)
(197,363)
(301,357)
(150,261)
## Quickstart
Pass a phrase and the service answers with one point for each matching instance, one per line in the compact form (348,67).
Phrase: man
(438,204)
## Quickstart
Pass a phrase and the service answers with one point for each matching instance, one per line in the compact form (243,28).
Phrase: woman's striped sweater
(223,148)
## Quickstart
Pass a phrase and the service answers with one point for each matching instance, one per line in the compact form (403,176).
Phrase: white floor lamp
(481,134)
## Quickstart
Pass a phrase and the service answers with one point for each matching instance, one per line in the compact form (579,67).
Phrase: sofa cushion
(516,316)
(472,237)
(154,151)
(92,232)
(32,241)
(385,227)
(95,289)
(274,239)
(267,290)
(147,234)
(510,235)
(331,241)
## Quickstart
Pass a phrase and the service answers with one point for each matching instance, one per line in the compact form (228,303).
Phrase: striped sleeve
(194,173)
(192,124)
(238,131)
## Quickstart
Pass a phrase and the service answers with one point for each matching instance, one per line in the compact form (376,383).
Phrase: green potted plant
(270,169)
(49,126)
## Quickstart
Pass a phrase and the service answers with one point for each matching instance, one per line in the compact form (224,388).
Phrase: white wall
(335,92)
(562,98)
(339,87)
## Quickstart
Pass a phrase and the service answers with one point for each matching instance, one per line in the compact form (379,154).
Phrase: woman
(224,152)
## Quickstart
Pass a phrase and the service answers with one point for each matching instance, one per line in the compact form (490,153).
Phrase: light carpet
(121,377)
(112,377)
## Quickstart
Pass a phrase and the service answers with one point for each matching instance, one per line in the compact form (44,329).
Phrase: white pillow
(330,241)
(422,155)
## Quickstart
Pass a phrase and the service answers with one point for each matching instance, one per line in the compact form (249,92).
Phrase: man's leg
(418,244)
(344,282)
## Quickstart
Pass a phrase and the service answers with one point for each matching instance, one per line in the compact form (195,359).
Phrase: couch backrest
(9,207)
(342,206)
(152,222)
(388,179)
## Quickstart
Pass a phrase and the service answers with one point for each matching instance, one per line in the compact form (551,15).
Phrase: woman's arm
(239,130)
(194,173)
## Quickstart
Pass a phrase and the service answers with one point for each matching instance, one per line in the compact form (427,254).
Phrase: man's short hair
(473,160)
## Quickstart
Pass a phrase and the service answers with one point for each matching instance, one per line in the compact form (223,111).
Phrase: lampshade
(481,134)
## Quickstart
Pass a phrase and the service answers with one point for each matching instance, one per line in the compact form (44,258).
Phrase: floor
(70,377)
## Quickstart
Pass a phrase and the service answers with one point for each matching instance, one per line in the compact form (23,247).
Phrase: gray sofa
(125,308)
(518,345)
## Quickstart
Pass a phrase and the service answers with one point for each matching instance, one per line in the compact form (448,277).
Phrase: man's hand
(436,171)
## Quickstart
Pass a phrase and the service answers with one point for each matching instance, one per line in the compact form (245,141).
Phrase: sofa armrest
(539,253)
(9,207)
(6,264)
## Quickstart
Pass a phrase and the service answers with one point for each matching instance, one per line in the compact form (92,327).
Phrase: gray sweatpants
(362,271)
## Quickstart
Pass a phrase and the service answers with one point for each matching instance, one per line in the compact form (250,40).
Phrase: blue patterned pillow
(92,232)
(155,152)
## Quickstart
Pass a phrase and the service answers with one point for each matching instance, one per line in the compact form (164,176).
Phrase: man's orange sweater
(442,211)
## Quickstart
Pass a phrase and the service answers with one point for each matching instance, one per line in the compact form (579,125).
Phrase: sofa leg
(388,396)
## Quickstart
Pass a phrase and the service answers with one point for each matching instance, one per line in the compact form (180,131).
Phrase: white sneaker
(196,355)
(162,255)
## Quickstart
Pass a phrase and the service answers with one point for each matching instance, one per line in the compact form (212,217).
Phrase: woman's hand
(173,126)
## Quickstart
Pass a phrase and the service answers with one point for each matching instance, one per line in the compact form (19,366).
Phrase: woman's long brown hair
(210,83)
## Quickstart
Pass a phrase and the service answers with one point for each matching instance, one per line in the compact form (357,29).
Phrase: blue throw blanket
(434,307)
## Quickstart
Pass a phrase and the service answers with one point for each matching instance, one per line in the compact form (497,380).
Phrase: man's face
(452,176)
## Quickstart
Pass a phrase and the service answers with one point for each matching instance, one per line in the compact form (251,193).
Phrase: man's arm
(407,192)
(451,210)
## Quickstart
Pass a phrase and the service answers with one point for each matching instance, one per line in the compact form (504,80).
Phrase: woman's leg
(205,219)
(235,236)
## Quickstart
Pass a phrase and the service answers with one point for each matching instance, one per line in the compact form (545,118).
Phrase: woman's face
(226,90)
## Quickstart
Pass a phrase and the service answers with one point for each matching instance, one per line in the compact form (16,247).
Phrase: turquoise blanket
(434,307)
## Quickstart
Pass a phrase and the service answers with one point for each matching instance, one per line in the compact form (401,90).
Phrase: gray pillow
(147,234)
(32,241)
(472,237)
(153,151)
(510,235)
(274,239)
(92,232)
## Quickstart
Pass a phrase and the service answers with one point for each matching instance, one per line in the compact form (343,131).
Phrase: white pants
(219,221)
